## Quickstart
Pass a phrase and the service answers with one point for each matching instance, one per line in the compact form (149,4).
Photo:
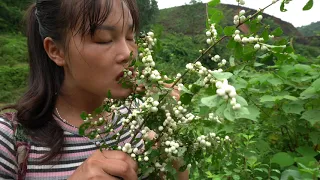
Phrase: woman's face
(93,65)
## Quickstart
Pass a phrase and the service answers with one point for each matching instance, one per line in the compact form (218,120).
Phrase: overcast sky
(294,15)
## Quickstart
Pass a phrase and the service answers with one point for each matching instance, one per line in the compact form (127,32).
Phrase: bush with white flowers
(198,129)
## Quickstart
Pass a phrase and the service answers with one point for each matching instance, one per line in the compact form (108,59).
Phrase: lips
(121,74)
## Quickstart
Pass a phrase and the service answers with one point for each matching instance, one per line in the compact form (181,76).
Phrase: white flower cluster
(241,2)
(212,116)
(237,19)
(169,122)
(171,147)
(161,167)
(181,114)
(211,34)
(149,40)
(147,59)
(127,148)
(217,58)
(203,141)
(227,91)
(145,157)
(209,140)
(145,132)
(242,39)
(133,121)
(150,104)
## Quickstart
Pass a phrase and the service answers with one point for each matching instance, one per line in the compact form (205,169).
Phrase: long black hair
(54,18)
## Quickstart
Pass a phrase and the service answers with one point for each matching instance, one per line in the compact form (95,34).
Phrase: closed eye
(104,42)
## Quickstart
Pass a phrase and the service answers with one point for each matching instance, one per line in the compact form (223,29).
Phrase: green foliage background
(282,90)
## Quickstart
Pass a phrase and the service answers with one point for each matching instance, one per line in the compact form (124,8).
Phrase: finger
(119,169)
(119,155)
(176,95)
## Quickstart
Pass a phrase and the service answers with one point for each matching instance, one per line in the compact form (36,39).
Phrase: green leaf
(185,90)
(186,98)
(306,151)
(295,107)
(109,95)
(83,115)
(254,113)
(238,50)
(275,81)
(282,8)
(211,101)
(316,85)
(308,6)
(313,116)
(231,61)
(215,15)
(308,93)
(315,137)
(243,112)
(267,98)
(306,162)
(277,32)
(213,3)
(83,128)
(229,113)
(241,101)
(291,174)
(222,75)
(283,159)
(229,30)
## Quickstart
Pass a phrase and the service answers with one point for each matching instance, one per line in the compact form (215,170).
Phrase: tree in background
(148,10)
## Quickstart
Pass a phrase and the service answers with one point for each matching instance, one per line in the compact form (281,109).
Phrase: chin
(121,93)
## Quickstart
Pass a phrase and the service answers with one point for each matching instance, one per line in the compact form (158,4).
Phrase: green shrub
(13,81)
(13,49)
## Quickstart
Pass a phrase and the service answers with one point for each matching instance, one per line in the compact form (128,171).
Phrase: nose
(123,52)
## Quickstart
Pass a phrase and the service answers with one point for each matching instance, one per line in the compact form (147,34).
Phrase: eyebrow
(112,28)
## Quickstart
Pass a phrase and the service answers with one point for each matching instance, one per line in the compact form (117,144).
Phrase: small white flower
(154,109)
(146,158)
(257,46)
(259,18)
(209,41)
(236,17)
(150,34)
(237,38)
(242,12)
(237,31)
(245,40)
(208,33)
(242,19)
(264,48)
(221,92)
(236,107)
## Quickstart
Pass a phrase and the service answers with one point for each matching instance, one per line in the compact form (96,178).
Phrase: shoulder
(6,124)
(6,132)
(7,149)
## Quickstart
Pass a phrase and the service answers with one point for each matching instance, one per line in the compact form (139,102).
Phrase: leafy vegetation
(310,30)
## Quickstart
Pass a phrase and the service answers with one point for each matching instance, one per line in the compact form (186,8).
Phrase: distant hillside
(312,29)
(191,19)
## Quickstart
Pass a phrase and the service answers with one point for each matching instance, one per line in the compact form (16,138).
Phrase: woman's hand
(107,165)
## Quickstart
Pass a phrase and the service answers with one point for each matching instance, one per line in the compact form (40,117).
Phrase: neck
(71,105)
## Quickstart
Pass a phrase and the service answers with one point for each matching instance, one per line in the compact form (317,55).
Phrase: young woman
(77,50)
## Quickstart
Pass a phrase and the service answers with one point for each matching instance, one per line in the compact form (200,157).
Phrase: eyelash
(108,42)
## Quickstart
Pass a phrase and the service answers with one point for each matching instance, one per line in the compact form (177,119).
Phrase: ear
(55,52)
